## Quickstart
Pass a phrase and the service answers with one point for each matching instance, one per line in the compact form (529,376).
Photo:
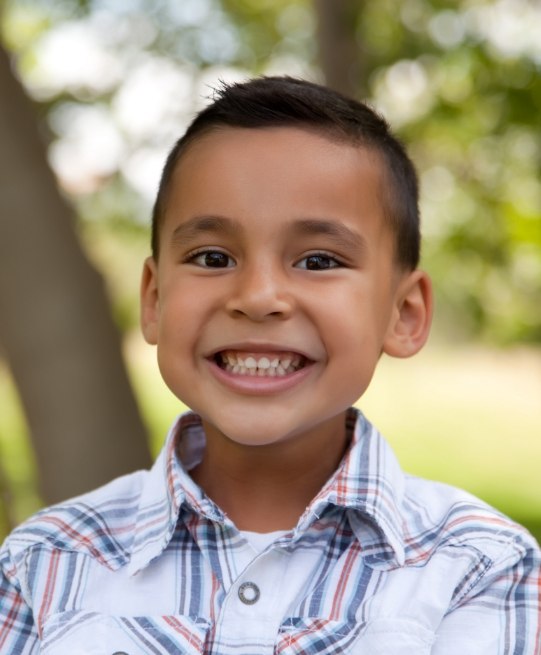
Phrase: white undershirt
(261,540)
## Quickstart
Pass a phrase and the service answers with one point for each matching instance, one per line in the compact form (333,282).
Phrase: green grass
(470,417)
(18,487)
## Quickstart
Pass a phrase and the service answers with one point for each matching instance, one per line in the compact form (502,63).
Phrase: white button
(249,593)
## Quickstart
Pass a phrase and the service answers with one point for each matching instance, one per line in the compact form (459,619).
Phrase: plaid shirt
(389,565)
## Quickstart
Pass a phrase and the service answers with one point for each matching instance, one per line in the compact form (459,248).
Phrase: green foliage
(271,29)
(458,80)
(473,122)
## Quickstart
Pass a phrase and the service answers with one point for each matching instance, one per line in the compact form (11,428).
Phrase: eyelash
(335,262)
(192,257)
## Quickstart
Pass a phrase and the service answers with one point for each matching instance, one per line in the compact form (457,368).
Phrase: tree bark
(55,324)
(340,55)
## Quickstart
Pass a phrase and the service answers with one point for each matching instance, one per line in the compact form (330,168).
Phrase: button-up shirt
(379,563)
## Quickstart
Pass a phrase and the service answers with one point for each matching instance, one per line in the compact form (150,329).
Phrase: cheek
(176,329)
(349,323)
(185,312)
(354,341)
(182,306)
(176,365)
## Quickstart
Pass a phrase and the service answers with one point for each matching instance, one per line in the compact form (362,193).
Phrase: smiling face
(276,290)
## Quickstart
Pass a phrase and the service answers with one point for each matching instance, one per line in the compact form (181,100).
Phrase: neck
(267,487)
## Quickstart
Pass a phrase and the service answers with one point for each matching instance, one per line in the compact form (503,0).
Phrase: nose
(259,293)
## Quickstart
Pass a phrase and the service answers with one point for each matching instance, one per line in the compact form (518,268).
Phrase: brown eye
(318,262)
(212,259)
(216,260)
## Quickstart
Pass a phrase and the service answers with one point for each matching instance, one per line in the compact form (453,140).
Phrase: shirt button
(119,652)
(249,593)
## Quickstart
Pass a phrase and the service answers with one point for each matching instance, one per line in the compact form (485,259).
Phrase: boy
(276,519)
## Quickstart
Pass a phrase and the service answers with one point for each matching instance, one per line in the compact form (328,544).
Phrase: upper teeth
(252,364)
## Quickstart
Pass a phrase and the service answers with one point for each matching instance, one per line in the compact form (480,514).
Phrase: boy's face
(276,290)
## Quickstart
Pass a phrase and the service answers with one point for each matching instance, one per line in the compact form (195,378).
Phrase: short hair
(265,102)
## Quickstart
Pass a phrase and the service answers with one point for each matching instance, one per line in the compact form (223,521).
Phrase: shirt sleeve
(18,635)
(501,613)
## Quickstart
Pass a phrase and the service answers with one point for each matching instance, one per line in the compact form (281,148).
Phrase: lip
(256,385)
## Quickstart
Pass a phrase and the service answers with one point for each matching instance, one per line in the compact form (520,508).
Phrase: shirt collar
(368,484)
(167,488)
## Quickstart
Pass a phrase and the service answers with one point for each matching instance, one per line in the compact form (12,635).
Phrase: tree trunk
(55,324)
(340,55)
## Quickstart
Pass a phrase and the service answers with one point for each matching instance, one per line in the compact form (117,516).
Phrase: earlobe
(149,301)
(412,318)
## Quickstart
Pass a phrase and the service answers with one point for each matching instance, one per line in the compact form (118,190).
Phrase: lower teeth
(272,371)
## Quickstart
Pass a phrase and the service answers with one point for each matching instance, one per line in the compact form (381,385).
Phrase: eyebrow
(337,232)
(191,229)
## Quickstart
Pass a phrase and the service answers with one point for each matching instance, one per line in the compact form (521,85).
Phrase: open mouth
(260,364)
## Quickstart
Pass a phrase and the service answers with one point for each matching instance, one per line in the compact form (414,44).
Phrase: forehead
(278,146)
(262,174)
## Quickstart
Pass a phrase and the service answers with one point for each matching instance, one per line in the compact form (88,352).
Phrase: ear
(412,316)
(150,310)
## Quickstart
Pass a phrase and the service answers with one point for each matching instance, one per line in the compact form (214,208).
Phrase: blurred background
(92,96)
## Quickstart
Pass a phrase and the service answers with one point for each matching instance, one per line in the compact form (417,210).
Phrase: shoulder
(99,524)
(441,517)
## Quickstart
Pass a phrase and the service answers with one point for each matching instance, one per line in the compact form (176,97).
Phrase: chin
(251,430)
(254,437)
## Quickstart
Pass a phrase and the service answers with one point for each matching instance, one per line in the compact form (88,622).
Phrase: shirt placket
(251,613)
